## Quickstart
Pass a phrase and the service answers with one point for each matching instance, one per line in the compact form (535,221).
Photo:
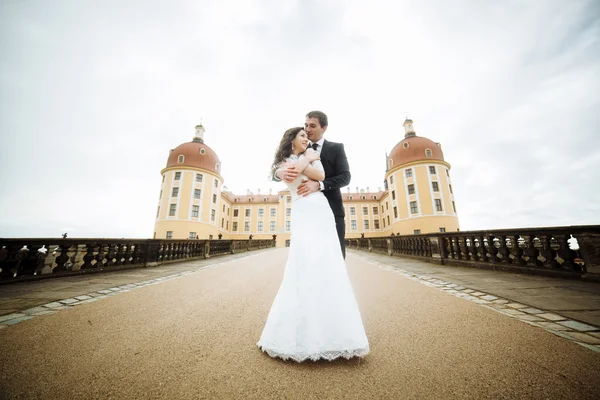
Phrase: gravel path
(195,337)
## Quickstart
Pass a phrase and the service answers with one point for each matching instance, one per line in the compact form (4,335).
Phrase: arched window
(390,163)
(180,159)
(428,152)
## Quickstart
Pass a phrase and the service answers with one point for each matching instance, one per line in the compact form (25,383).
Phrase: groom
(335,164)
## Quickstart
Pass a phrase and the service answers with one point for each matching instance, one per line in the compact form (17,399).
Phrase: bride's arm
(315,171)
(303,164)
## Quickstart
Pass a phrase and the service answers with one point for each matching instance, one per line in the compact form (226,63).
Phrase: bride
(314,315)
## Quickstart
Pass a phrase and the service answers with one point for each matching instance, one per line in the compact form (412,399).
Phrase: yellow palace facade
(418,197)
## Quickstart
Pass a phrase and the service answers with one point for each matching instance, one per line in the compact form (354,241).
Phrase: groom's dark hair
(320,115)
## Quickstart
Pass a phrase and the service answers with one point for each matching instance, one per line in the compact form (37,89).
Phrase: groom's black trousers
(340,225)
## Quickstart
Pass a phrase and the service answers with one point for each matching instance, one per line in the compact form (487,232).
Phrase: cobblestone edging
(578,332)
(65,304)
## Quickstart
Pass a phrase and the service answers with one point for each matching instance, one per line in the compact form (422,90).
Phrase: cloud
(94,95)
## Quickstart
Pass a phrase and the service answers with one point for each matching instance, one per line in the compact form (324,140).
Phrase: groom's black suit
(337,175)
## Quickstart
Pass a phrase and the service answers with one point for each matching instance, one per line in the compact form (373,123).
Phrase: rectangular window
(382,208)
(260,226)
(248,212)
(417,231)
(376,223)
(272,226)
(432,170)
(447,173)
(177,176)
(216,183)
(175,192)
(386,206)
(247,226)
(289,199)
(391,179)
(288,212)
(213,214)
(450,186)
(413,207)
(366,224)
(388,218)
(288,226)
(197,193)
(222,222)
(227,225)
(158,212)
(395,212)
(352,210)
(215,198)
(411,189)
(163,181)
(195,210)
(453,206)
(235,226)
(223,208)
(169,234)
(160,196)
(261,212)
(393,195)
(198,177)
(408,173)
(353,224)
(235,212)
(365,210)
(273,212)
(435,186)
(228,212)
(375,210)
(443,229)
(192,235)
(172,209)
(438,205)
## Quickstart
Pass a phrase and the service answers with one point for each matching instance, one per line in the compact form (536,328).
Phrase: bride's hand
(312,155)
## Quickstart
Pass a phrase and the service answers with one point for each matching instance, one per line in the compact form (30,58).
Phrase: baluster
(88,257)
(564,256)
(62,259)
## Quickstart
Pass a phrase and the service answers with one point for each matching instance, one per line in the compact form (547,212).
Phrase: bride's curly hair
(285,147)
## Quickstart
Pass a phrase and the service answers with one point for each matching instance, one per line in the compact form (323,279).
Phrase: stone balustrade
(27,259)
(567,251)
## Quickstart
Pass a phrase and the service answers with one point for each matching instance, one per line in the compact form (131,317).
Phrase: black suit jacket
(337,175)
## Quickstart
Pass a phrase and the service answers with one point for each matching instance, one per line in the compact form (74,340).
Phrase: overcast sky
(94,94)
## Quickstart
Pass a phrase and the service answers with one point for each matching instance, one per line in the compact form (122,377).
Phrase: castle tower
(190,204)
(419,196)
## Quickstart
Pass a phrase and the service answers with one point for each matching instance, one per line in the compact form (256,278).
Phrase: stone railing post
(434,246)
(370,245)
(389,246)
(152,247)
(590,252)
(207,249)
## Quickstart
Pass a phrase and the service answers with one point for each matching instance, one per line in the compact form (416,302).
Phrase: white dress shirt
(318,150)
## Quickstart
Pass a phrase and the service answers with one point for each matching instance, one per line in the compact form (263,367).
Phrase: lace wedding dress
(314,315)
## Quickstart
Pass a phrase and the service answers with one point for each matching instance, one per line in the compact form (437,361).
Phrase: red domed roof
(415,148)
(195,154)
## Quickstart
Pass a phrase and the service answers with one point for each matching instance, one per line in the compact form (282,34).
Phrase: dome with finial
(195,154)
(414,148)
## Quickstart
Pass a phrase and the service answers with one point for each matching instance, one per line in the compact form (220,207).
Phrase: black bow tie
(314,146)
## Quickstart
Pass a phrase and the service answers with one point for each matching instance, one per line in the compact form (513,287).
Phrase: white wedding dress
(314,315)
